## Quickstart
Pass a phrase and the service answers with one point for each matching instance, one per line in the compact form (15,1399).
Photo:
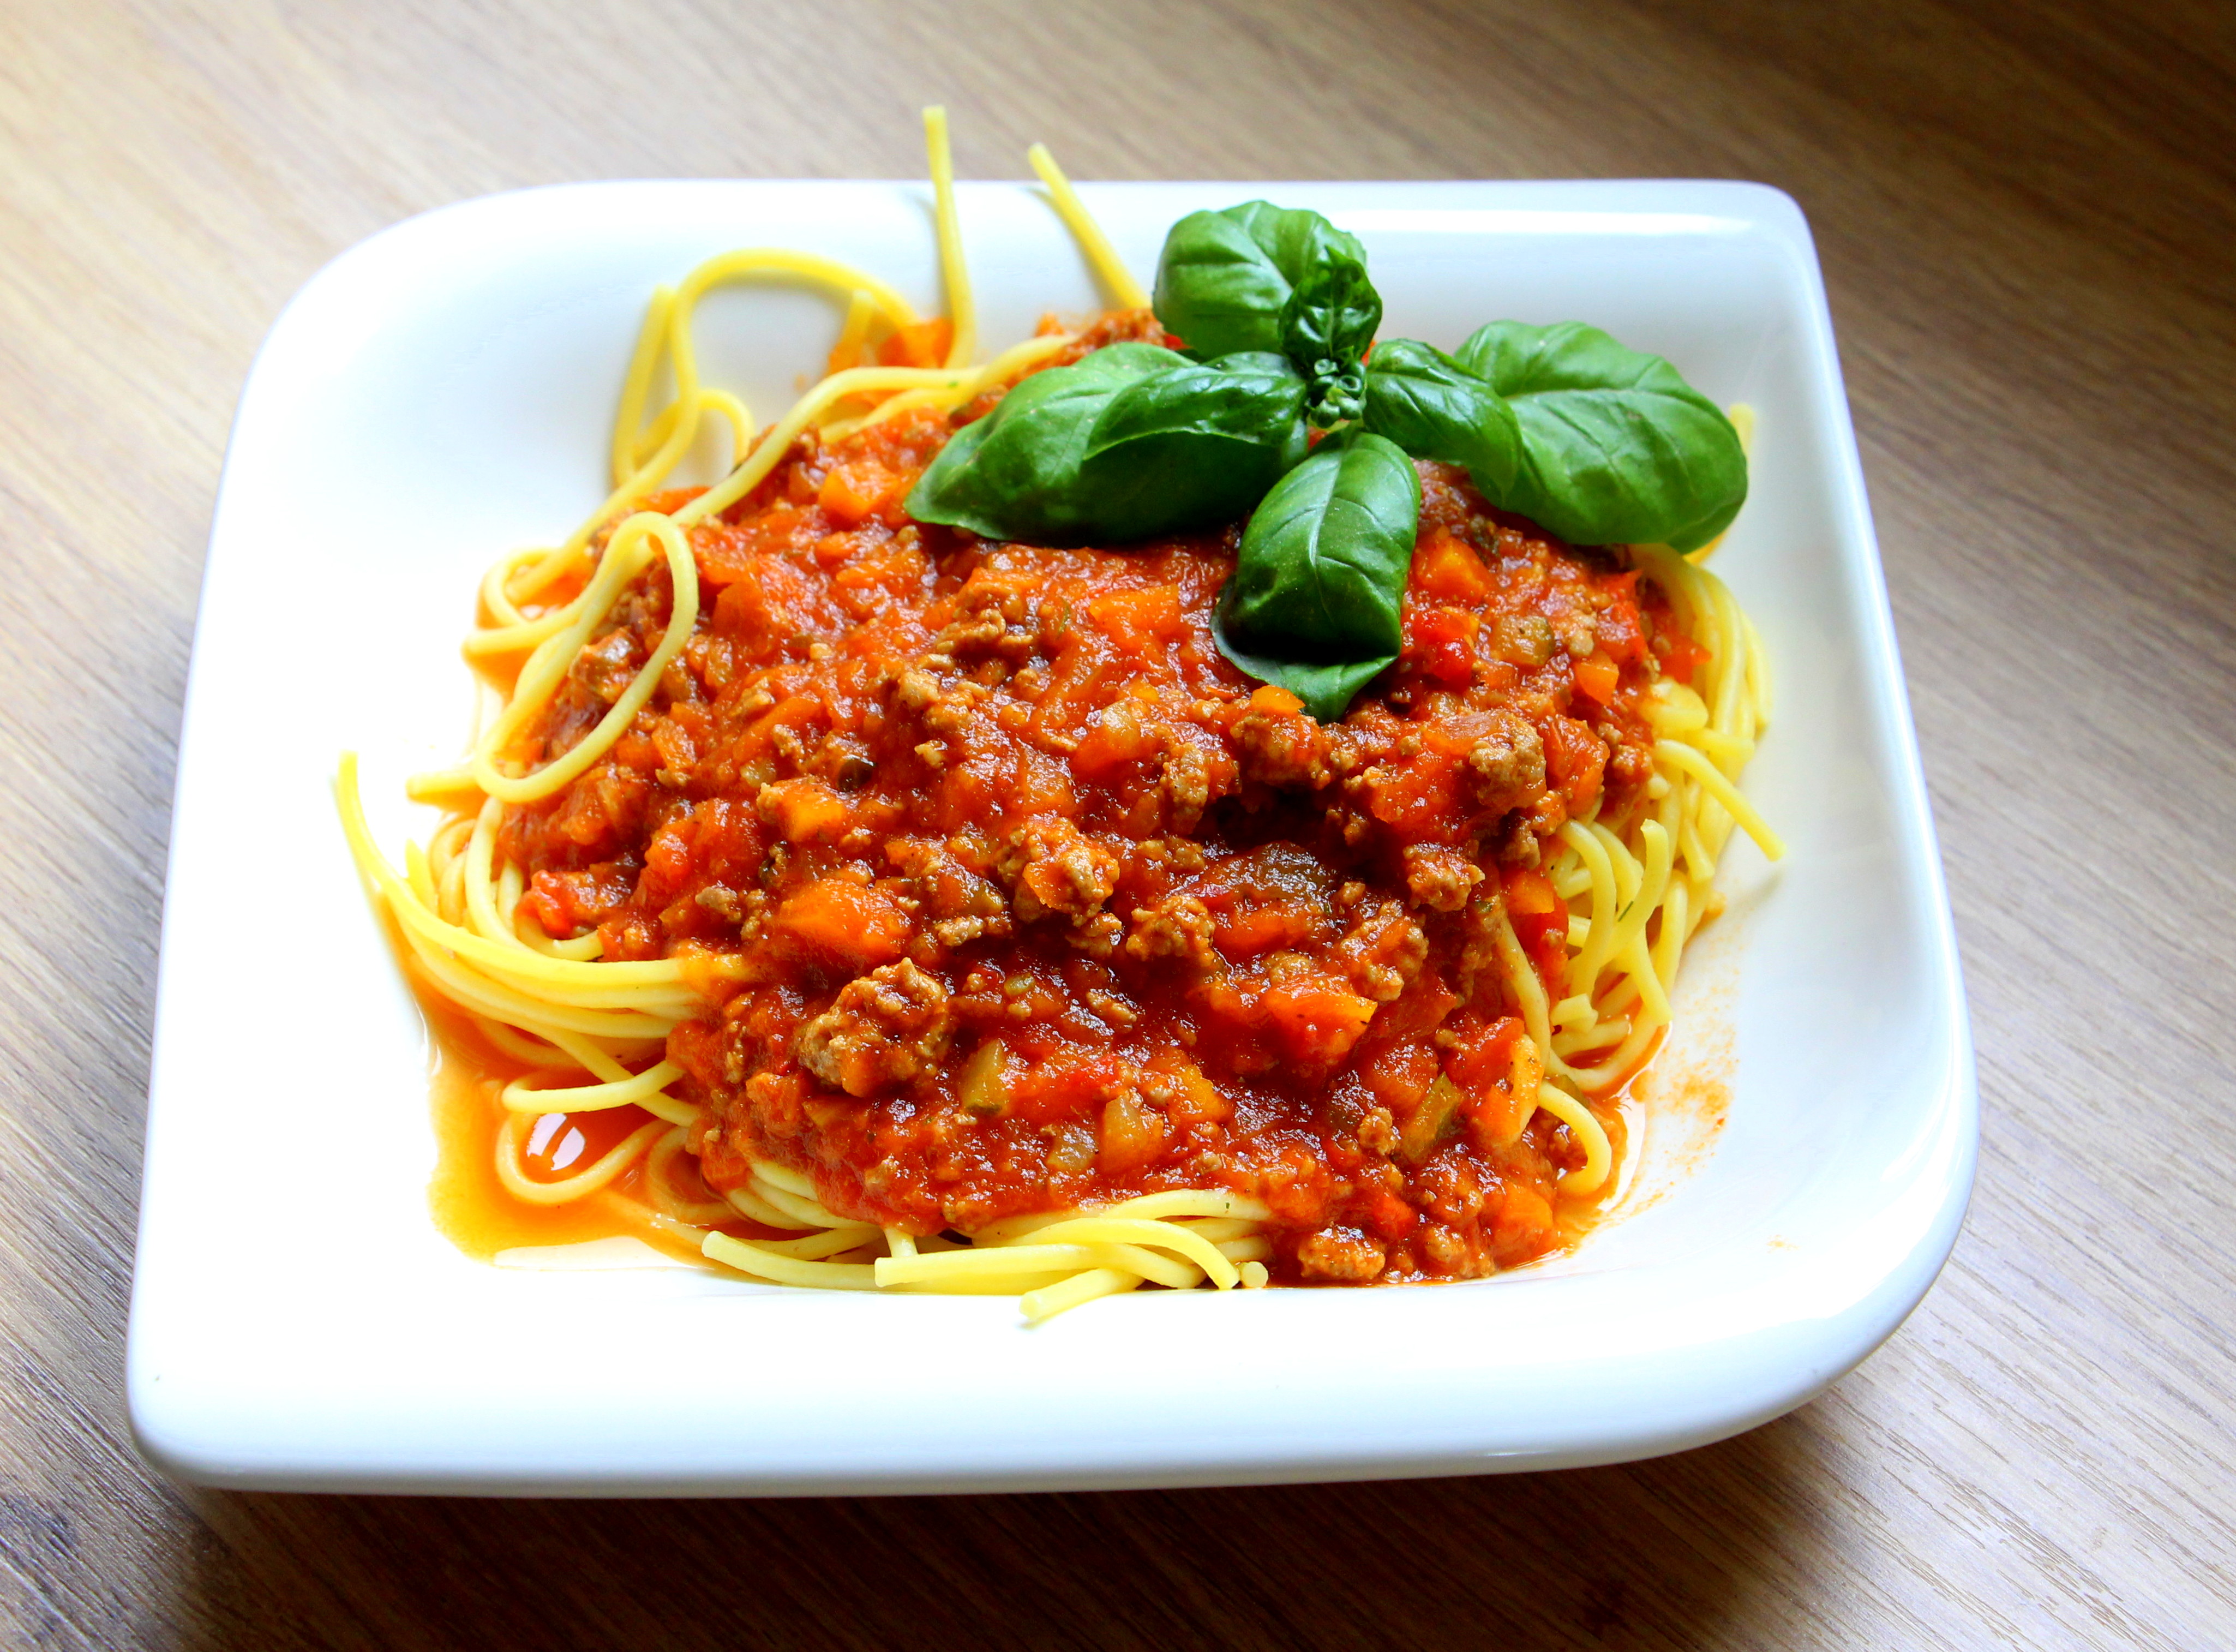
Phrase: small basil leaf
(1195,445)
(1317,599)
(1327,324)
(1429,404)
(1224,278)
(1616,447)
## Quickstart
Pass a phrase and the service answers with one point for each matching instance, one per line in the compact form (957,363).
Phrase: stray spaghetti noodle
(869,905)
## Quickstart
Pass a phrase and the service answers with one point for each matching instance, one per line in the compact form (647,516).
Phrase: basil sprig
(1317,601)
(1597,444)
(1261,277)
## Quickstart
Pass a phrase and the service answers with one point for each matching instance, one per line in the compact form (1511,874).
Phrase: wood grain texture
(2028,217)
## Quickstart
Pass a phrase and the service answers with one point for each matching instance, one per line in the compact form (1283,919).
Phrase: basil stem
(1317,599)
(1327,322)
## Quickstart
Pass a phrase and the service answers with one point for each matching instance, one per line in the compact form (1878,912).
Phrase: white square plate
(444,393)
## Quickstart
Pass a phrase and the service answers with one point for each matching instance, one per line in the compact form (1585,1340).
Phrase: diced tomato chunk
(1682,656)
(1440,644)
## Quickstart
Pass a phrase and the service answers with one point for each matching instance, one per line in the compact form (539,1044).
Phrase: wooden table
(2027,218)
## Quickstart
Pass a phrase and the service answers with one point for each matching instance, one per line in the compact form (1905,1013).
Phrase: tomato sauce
(1042,903)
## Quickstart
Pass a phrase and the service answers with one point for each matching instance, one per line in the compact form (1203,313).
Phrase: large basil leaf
(1317,599)
(1225,277)
(1131,442)
(1616,447)
(1429,404)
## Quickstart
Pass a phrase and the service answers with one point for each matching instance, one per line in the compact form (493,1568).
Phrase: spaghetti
(865,907)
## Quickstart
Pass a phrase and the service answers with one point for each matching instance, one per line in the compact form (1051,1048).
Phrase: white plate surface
(444,393)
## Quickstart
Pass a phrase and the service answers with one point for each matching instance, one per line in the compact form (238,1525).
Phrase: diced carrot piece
(1530,892)
(1274,701)
(1597,678)
(1391,1217)
(1318,1025)
(1523,1227)
(804,810)
(1448,569)
(859,924)
(1196,1100)
(843,502)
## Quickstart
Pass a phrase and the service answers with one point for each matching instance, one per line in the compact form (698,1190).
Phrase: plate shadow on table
(1651,1555)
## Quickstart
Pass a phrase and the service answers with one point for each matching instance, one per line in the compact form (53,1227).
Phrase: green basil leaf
(1616,447)
(1132,441)
(1317,599)
(1429,404)
(1193,446)
(1254,397)
(1013,474)
(1225,277)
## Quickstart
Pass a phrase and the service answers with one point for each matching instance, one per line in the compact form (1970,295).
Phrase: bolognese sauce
(1026,900)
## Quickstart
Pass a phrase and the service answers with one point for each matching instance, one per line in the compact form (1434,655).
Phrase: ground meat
(1508,764)
(887,1027)
(608,666)
(1342,1254)
(1180,926)
(914,688)
(1438,877)
(1195,776)
(1279,749)
(1054,868)
(1631,763)
(1450,1252)
(1383,952)
(957,903)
